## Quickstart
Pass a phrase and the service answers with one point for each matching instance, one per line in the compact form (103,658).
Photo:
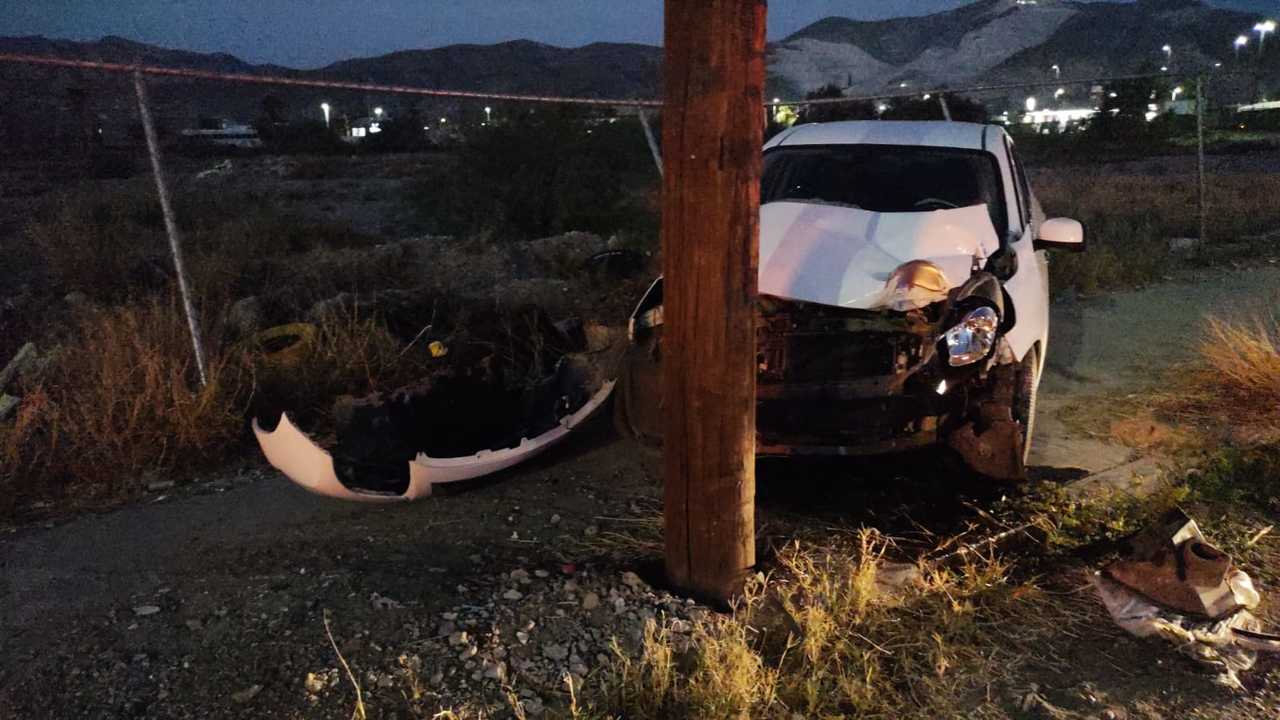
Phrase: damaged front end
(838,381)
(929,367)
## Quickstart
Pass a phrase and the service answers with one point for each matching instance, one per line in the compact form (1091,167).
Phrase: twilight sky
(312,33)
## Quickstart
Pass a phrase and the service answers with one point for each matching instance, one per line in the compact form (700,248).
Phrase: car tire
(1025,391)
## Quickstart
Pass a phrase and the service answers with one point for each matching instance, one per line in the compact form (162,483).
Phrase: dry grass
(1231,392)
(122,400)
(831,633)
(1131,218)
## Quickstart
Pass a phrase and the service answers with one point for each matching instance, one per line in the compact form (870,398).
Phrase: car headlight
(972,339)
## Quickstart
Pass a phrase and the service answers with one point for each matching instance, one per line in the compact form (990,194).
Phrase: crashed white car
(903,296)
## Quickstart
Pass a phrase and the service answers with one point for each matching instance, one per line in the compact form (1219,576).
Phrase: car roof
(934,133)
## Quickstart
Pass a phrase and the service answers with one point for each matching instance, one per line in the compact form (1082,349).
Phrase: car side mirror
(1061,234)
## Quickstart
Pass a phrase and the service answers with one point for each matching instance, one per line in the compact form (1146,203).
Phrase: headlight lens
(973,338)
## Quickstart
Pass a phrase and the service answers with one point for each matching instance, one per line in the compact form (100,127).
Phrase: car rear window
(885,178)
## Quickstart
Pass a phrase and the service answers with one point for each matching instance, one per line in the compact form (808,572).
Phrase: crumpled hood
(842,256)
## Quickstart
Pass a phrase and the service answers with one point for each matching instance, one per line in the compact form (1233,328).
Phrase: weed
(122,401)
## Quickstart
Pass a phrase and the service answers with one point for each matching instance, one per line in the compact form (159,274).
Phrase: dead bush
(97,243)
(122,401)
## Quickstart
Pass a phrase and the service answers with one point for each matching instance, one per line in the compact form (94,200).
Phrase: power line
(194,74)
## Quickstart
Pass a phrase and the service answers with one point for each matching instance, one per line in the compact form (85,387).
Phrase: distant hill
(1004,41)
(984,42)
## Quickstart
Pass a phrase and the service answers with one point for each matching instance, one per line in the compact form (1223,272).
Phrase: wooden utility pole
(712,133)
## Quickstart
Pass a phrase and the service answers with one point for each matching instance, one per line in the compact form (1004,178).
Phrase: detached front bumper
(293,453)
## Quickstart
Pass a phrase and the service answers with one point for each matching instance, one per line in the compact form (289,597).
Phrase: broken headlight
(972,339)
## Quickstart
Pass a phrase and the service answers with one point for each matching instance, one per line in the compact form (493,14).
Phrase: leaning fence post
(1204,196)
(653,144)
(170,225)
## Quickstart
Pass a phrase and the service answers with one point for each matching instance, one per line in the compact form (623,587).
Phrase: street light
(1168,52)
(1031,104)
(1059,93)
(1176,92)
(1262,28)
(324,108)
(1240,42)
(377,112)
(1057,72)
(488,116)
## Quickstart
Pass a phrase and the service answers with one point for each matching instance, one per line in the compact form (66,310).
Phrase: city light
(1262,28)
(1031,104)
(324,108)
(377,112)
(1176,92)
(488,114)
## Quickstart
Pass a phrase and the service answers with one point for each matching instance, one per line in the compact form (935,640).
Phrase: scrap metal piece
(995,452)
(1173,565)
(290,451)
(1229,645)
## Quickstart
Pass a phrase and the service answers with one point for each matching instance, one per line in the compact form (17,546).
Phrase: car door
(1029,286)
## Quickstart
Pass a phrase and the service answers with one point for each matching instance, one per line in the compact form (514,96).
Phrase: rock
(1184,246)
(523,637)
(541,573)
(246,694)
(383,603)
(633,581)
(512,594)
(458,638)
(8,405)
(314,683)
(245,317)
(495,670)
(145,610)
(555,520)
(520,576)
(75,298)
(555,652)
(330,307)
(159,485)
(20,363)
(590,531)
(590,601)
(468,652)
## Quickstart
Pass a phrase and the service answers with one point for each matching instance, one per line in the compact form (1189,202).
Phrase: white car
(903,296)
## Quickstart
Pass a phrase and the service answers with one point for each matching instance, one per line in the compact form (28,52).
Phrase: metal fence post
(1204,198)
(653,144)
(170,225)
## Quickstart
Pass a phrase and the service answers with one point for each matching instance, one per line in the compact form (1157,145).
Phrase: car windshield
(885,178)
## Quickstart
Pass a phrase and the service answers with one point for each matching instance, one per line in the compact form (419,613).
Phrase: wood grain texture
(712,134)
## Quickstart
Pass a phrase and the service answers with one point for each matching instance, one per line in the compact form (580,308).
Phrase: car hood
(843,256)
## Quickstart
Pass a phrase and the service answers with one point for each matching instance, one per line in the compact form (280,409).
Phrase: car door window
(1019,189)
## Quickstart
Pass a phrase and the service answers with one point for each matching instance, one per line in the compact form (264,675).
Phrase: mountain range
(989,41)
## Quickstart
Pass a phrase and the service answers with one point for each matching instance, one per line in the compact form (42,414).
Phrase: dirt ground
(209,601)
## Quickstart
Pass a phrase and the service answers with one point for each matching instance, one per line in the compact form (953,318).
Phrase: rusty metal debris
(1174,584)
